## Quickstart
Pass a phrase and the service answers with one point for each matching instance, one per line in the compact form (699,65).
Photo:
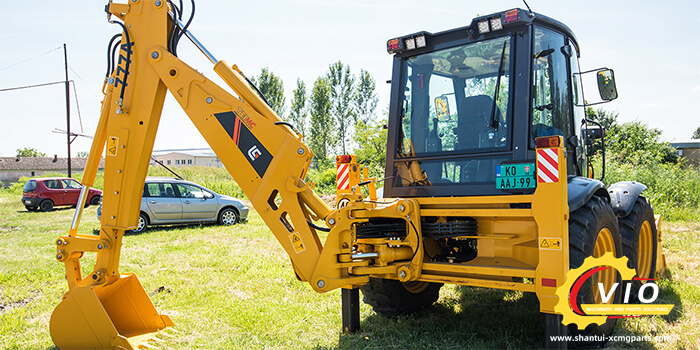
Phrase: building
(187,157)
(690,150)
(13,168)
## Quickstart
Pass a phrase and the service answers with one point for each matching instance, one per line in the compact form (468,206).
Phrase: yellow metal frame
(510,227)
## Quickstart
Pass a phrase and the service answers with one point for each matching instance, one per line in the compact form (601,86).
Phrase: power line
(29,59)
(83,81)
(75,93)
(33,86)
(77,105)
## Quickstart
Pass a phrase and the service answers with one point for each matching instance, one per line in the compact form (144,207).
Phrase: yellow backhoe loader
(487,182)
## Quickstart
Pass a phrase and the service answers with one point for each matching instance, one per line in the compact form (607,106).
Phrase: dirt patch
(9,228)
(161,289)
(4,307)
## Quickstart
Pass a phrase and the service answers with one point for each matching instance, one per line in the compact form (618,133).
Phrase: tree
(632,142)
(298,112)
(340,82)
(272,87)
(364,100)
(322,131)
(696,134)
(371,146)
(29,152)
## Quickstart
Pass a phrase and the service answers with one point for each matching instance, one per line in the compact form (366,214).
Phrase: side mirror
(606,84)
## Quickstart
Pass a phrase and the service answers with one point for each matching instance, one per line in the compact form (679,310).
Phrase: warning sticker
(112,144)
(298,244)
(550,243)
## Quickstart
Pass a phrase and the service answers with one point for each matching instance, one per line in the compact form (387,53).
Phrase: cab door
(162,202)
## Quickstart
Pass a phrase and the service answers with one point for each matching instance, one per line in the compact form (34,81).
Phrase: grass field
(233,288)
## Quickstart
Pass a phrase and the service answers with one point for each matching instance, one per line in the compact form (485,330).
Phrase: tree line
(336,115)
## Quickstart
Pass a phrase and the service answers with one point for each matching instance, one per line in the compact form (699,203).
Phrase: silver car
(168,201)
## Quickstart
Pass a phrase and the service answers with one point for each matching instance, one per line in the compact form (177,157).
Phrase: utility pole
(65,58)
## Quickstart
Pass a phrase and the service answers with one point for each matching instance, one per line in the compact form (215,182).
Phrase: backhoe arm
(264,155)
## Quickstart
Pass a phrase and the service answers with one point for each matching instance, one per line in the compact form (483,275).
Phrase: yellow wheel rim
(645,251)
(416,287)
(603,244)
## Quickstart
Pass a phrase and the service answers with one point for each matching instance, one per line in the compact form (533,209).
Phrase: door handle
(187,202)
(153,202)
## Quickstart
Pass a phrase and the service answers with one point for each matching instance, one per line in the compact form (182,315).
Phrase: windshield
(448,108)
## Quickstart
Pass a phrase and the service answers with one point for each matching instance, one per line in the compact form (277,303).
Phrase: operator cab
(467,100)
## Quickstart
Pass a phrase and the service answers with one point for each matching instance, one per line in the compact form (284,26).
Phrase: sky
(654,48)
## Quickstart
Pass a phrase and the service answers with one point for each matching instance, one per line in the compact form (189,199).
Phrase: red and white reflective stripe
(548,165)
(343,179)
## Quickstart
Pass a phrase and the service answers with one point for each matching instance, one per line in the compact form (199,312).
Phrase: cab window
(551,107)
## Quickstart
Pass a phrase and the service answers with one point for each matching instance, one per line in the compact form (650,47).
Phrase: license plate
(27,202)
(515,176)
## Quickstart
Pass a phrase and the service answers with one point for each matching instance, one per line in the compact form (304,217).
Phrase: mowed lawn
(234,288)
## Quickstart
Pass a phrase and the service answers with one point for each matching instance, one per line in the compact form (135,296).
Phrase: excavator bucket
(111,316)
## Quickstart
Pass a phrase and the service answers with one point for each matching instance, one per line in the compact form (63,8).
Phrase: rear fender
(581,189)
(623,195)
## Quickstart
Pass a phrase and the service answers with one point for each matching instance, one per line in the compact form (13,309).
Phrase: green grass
(233,288)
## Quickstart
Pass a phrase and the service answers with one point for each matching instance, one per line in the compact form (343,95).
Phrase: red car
(45,193)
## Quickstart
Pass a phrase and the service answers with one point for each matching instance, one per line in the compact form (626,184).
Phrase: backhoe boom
(264,155)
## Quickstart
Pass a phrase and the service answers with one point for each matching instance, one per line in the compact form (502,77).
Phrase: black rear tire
(95,200)
(46,205)
(391,297)
(586,224)
(638,225)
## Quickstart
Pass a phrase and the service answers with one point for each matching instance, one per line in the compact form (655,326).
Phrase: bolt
(100,246)
(110,81)
(209,100)
(59,242)
(116,192)
(113,217)
(158,3)
(402,274)
(321,283)
(94,276)
(402,207)
(119,171)
(331,221)
(59,256)
(300,151)
(154,55)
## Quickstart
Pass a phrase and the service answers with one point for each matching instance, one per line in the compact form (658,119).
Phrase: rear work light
(496,24)
(420,41)
(484,27)
(548,142)
(410,44)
